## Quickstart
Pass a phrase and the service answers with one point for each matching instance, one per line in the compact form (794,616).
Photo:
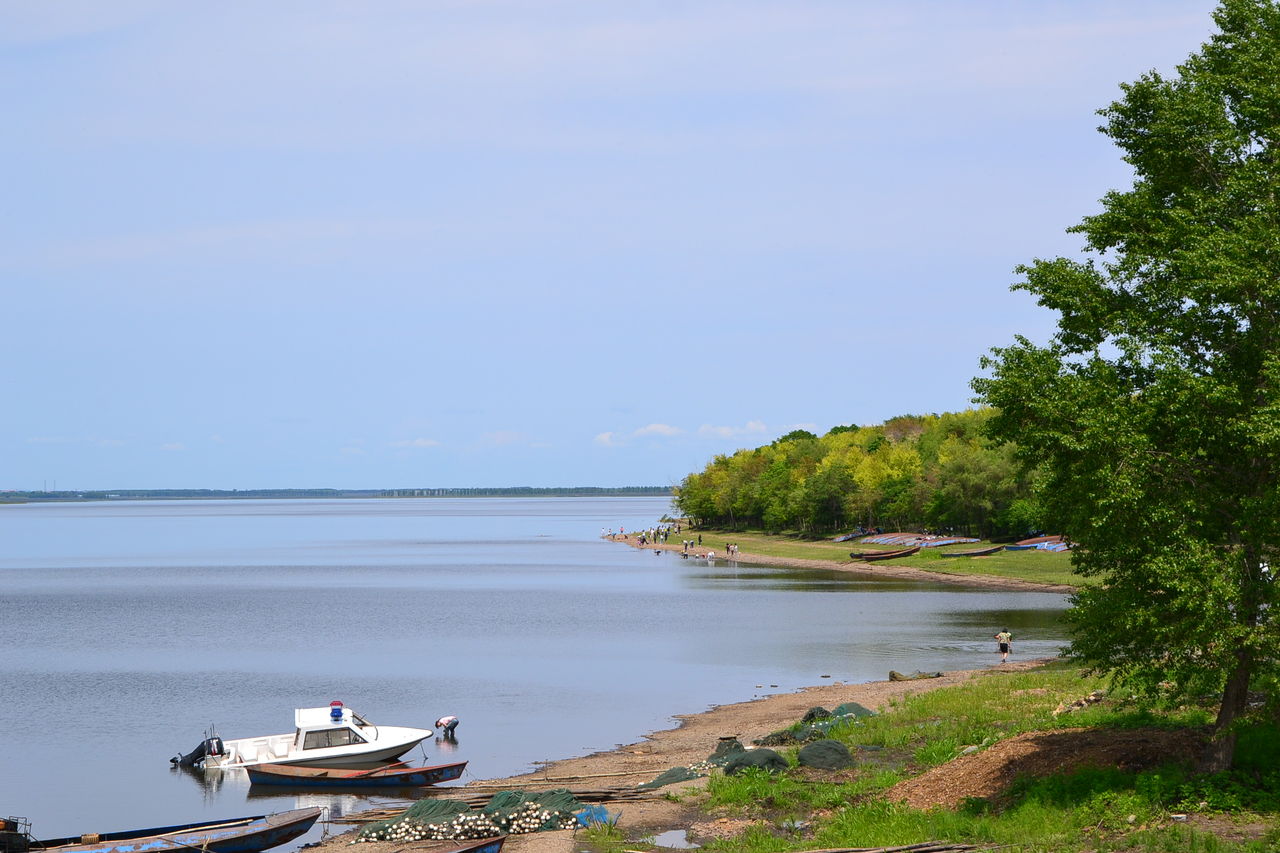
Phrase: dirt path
(693,740)
(882,570)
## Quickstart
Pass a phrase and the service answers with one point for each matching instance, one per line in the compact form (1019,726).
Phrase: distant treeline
(221,494)
(912,472)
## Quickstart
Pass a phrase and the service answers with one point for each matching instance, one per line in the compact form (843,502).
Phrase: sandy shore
(691,741)
(881,570)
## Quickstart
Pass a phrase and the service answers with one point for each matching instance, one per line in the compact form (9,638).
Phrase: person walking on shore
(1005,640)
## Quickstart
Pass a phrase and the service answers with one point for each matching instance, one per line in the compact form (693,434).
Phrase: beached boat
(323,737)
(389,776)
(981,552)
(872,556)
(479,845)
(241,835)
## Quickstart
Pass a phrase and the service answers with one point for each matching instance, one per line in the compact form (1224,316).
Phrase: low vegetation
(1164,805)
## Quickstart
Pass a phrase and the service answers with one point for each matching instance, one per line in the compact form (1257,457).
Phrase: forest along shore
(882,570)
(693,740)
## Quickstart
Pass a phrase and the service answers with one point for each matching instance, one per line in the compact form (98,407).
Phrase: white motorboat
(323,737)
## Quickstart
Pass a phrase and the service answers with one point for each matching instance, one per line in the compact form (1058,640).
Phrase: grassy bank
(1038,566)
(1164,806)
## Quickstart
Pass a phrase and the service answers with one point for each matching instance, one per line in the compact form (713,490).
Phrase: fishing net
(825,755)
(672,776)
(765,759)
(509,812)
(815,713)
(816,724)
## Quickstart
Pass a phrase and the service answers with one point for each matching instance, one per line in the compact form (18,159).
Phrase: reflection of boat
(242,835)
(342,777)
(981,552)
(324,737)
(871,556)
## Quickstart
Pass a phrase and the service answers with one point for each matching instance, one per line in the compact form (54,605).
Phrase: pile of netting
(508,813)
(816,725)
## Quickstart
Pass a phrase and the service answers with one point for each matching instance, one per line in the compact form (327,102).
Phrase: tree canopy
(911,471)
(1155,409)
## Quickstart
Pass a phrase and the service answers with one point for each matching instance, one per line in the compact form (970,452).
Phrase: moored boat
(323,737)
(341,777)
(239,835)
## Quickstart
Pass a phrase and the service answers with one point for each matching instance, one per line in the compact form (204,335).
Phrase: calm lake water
(128,628)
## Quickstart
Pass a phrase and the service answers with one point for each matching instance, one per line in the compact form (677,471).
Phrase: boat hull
(981,552)
(325,777)
(872,556)
(391,743)
(241,835)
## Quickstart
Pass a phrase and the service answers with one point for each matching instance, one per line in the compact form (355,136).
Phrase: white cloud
(503,437)
(750,428)
(657,429)
(607,439)
(173,445)
(416,442)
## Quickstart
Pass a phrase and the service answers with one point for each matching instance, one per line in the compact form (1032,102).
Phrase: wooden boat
(479,845)
(871,556)
(981,552)
(242,835)
(390,776)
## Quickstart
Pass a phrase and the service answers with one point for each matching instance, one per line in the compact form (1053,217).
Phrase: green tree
(1155,409)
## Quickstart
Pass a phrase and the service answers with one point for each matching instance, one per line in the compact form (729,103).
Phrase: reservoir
(129,628)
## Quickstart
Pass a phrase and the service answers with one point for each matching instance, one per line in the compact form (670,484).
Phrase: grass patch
(1038,566)
(1097,809)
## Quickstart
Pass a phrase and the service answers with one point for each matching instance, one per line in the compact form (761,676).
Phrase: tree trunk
(1221,750)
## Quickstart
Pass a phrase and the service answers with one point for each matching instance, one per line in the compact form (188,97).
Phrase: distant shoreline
(96,495)
(881,570)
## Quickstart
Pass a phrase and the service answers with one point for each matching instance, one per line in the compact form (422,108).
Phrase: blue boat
(239,835)
(388,776)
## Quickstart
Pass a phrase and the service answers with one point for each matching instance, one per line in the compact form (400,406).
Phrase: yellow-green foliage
(936,470)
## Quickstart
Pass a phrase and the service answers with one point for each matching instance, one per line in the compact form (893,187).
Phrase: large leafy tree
(1155,409)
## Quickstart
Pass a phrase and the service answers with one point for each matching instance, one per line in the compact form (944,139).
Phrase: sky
(450,243)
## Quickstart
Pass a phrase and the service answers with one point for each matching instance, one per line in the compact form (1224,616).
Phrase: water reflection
(512,615)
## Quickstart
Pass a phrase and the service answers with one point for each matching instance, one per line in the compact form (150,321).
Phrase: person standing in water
(447,724)
(1005,640)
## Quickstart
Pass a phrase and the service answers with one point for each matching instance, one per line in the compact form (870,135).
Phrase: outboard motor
(14,835)
(210,746)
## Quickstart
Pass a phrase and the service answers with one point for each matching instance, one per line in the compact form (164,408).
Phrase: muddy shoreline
(692,740)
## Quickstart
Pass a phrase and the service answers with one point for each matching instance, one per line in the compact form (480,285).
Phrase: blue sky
(398,244)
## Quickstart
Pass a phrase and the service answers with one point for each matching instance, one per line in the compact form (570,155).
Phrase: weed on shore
(1165,806)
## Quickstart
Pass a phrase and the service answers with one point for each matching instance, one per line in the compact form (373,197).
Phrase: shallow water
(130,628)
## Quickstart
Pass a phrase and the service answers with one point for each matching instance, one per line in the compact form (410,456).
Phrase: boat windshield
(360,721)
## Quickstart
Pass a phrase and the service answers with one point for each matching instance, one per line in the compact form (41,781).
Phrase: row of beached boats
(332,748)
(912,542)
(240,835)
